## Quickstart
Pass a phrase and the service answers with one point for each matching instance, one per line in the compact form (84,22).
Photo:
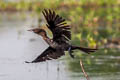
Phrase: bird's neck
(47,39)
(50,42)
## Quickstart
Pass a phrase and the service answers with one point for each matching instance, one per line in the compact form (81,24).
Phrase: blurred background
(95,23)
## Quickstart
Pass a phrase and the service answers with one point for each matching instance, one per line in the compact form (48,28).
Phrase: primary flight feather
(60,41)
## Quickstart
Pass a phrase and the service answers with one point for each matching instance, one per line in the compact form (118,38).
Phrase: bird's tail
(86,50)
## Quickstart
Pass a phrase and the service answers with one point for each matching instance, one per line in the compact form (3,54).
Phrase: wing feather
(57,25)
(48,54)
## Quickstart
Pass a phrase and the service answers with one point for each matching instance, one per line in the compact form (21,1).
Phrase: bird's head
(39,31)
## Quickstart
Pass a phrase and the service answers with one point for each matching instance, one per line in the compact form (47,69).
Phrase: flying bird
(61,38)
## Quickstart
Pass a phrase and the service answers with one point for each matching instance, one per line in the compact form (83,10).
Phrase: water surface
(18,45)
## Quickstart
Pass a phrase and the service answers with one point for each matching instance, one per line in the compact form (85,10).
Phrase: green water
(104,64)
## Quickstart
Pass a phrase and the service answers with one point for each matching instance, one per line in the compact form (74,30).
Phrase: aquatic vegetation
(92,21)
(95,23)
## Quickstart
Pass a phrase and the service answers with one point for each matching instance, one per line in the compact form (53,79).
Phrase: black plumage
(61,37)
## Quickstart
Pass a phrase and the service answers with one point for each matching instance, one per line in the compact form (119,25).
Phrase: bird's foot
(70,52)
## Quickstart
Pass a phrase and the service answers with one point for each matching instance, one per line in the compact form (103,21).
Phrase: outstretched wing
(48,54)
(58,26)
